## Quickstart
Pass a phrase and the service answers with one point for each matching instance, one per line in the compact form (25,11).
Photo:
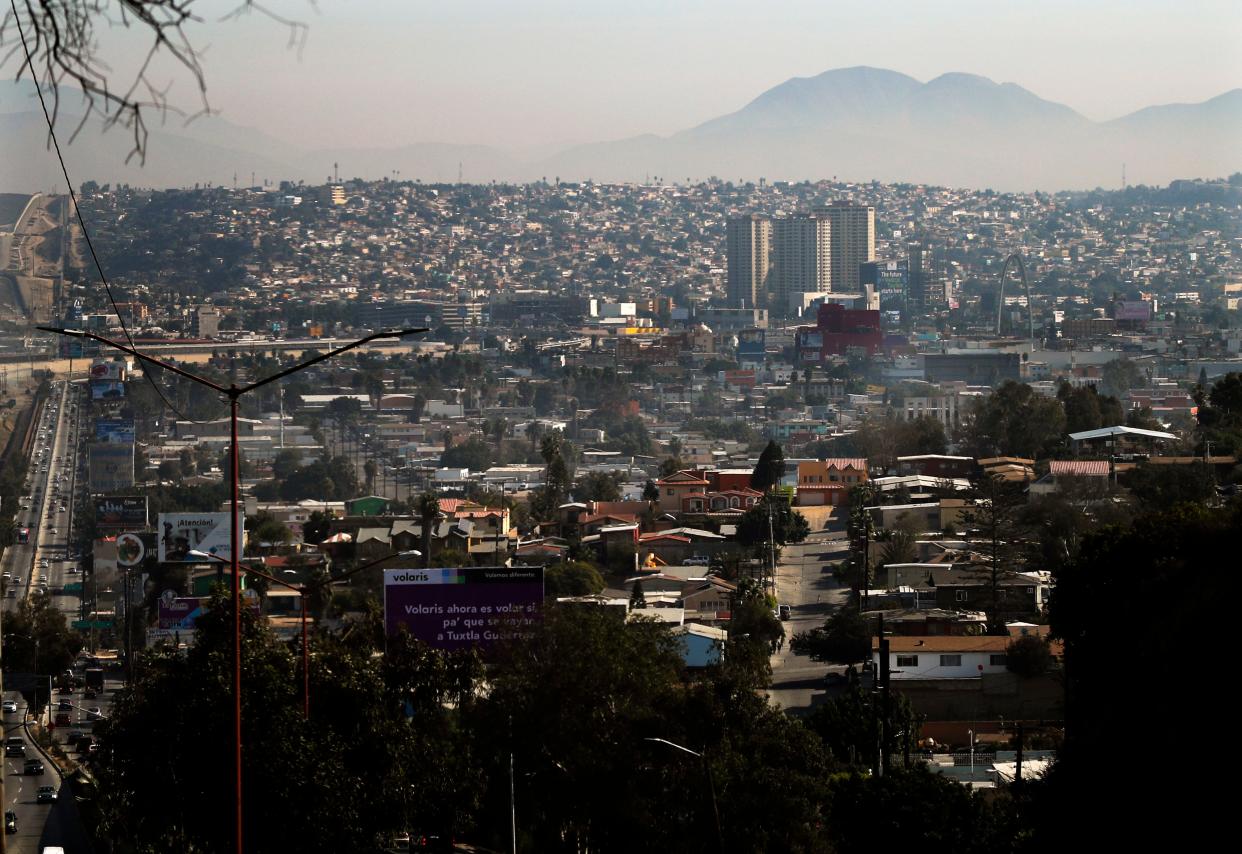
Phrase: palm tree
(428,509)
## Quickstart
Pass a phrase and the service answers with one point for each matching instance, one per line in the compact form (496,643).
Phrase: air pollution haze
(855,124)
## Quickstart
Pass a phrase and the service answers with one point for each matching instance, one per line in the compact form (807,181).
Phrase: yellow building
(829,481)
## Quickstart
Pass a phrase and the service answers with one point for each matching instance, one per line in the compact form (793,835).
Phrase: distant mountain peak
(857,123)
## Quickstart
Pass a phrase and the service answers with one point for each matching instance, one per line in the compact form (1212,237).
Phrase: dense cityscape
(575,516)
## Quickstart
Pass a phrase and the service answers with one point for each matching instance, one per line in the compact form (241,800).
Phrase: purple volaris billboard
(464,607)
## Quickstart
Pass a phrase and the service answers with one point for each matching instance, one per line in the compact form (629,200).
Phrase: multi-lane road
(45,564)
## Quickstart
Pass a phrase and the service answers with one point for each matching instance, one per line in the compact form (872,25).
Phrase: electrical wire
(90,245)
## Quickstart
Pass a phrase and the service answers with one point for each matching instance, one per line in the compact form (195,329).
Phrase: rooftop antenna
(336,173)
(459,181)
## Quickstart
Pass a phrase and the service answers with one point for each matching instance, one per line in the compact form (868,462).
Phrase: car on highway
(64,706)
(784,612)
(10,707)
(14,746)
(46,795)
(94,713)
(33,767)
(10,821)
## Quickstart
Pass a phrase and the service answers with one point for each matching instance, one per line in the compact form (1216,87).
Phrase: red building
(838,330)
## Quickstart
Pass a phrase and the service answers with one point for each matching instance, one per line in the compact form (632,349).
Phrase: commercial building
(748,245)
(852,241)
(837,331)
(206,322)
(397,314)
(979,368)
(801,260)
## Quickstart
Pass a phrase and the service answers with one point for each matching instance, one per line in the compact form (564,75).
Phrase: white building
(940,657)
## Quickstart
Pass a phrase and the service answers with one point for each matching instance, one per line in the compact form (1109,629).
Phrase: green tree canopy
(575,578)
(1014,420)
(474,454)
(787,524)
(1029,655)
(599,486)
(1164,486)
(844,638)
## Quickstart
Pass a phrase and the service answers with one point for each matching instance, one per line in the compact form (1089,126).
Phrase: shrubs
(1029,655)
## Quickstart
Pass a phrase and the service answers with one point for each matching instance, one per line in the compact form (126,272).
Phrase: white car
(10,707)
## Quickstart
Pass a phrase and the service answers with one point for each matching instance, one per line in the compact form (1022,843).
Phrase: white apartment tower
(748,248)
(853,242)
(801,260)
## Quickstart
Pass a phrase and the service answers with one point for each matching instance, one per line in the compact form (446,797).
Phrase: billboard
(107,389)
(107,370)
(111,466)
(114,430)
(128,512)
(751,344)
(181,533)
(892,280)
(459,608)
(1133,309)
(178,613)
(130,550)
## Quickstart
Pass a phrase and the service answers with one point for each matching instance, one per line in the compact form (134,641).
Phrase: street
(805,582)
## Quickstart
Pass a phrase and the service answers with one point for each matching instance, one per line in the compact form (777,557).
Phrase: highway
(43,564)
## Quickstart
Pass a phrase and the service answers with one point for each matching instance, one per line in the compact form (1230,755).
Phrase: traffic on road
(43,562)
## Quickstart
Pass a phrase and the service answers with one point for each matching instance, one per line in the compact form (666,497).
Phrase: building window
(907,661)
(670,492)
(961,595)
(950,661)
(996,660)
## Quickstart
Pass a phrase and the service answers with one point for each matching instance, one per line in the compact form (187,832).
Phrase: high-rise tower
(801,260)
(853,242)
(748,247)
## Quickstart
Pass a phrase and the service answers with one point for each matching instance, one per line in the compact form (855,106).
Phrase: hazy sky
(549,72)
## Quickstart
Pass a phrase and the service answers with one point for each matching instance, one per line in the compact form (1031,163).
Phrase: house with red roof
(1091,473)
(677,486)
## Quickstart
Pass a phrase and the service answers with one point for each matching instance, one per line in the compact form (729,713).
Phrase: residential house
(677,486)
(1092,474)
(937,465)
(827,482)
(701,646)
(943,657)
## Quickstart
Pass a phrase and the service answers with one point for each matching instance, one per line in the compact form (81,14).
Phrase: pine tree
(638,599)
(770,468)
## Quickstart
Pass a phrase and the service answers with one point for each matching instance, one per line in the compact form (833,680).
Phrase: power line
(90,245)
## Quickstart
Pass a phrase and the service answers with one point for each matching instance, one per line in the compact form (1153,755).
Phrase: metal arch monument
(1015,259)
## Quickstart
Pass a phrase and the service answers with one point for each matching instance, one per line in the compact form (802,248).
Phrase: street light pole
(711,783)
(302,591)
(234,393)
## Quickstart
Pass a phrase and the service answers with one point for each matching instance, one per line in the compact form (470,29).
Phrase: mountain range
(855,124)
